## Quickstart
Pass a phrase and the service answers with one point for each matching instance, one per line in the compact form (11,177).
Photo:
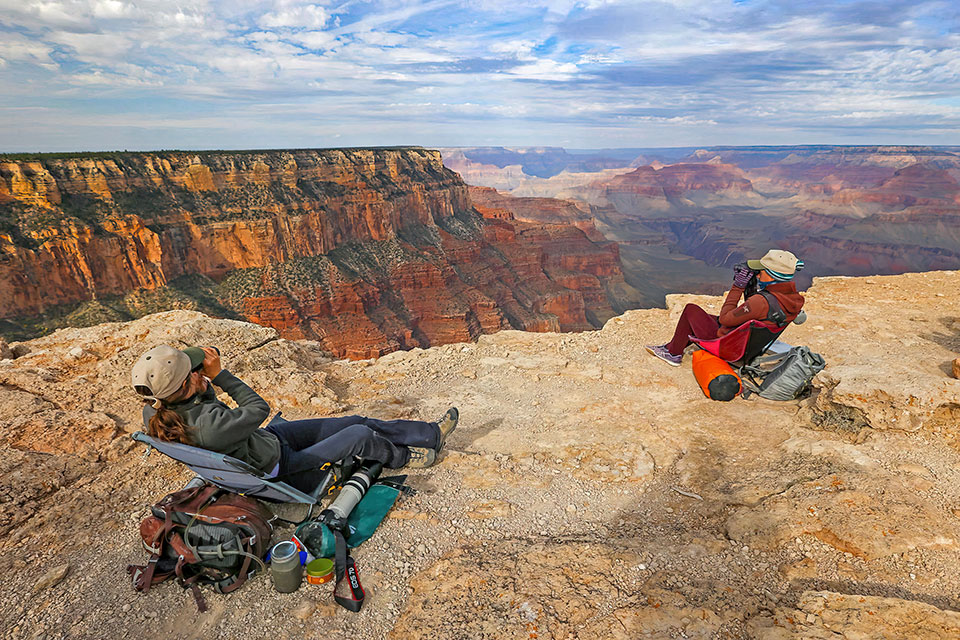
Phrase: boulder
(823,615)
(52,577)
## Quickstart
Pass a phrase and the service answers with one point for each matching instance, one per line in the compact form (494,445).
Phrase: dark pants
(693,321)
(306,445)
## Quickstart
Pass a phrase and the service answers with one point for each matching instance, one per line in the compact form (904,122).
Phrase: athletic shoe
(421,457)
(447,424)
(662,353)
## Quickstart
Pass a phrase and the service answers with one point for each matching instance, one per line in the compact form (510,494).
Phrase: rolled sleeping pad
(717,378)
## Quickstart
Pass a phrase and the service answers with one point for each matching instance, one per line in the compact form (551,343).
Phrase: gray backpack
(782,376)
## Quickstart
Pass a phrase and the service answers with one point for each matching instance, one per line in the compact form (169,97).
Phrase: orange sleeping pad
(717,379)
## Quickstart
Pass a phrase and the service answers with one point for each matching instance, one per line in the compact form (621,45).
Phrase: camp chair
(743,344)
(236,476)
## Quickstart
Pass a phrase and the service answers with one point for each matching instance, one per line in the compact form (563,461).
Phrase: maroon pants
(693,321)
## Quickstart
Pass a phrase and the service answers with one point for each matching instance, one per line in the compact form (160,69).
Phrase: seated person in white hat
(774,272)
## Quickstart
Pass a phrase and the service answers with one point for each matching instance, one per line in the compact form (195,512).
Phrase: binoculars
(200,366)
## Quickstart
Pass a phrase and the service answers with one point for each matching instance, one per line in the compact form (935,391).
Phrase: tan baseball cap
(161,370)
(780,262)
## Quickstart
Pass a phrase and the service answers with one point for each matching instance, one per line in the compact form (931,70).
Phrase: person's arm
(220,427)
(731,315)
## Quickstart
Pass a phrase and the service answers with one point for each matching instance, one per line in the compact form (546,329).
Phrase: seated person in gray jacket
(183,407)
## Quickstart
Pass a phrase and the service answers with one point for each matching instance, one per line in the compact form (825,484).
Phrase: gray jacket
(235,432)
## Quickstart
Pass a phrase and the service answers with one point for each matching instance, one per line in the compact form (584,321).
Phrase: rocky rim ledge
(590,491)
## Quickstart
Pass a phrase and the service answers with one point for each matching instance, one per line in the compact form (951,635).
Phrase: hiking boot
(421,457)
(447,424)
(662,353)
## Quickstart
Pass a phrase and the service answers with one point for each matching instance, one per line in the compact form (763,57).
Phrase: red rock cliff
(366,250)
(677,180)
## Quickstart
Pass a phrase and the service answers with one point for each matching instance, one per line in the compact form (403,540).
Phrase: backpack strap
(191,583)
(775,313)
(142,575)
(752,375)
(345,566)
(757,364)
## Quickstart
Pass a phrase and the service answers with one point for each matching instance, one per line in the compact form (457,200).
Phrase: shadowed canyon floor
(590,491)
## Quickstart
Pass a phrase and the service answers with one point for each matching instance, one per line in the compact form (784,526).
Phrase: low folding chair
(742,345)
(236,476)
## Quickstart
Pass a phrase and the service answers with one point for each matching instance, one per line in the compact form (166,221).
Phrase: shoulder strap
(760,361)
(346,567)
(775,312)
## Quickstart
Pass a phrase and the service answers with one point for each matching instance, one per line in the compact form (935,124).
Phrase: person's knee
(359,432)
(366,443)
(692,308)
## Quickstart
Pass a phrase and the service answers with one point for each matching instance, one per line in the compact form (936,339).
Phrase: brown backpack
(203,535)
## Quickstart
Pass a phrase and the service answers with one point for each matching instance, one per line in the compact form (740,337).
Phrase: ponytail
(167,425)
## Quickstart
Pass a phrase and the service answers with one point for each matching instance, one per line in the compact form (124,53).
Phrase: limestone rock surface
(589,490)
(825,615)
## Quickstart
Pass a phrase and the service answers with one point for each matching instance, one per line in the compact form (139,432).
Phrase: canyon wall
(682,222)
(365,250)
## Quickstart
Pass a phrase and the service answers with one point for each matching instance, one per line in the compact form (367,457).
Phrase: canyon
(590,490)
(365,250)
(373,250)
(683,216)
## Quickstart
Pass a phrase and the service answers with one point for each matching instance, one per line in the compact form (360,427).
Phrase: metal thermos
(354,489)
(285,567)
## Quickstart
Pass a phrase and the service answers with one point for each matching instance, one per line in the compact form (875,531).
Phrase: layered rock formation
(589,491)
(845,210)
(678,180)
(367,251)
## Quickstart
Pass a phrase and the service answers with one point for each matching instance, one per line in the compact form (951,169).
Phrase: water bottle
(285,567)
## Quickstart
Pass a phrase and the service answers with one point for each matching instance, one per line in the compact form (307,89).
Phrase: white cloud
(545,69)
(382,38)
(112,9)
(93,47)
(311,16)
(518,48)
(18,48)
(313,39)
(243,62)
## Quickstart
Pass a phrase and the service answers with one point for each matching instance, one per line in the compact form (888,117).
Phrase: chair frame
(744,359)
(215,468)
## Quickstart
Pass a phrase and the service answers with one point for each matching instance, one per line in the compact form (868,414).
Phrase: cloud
(311,16)
(608,72)
(545,69)
(18,48)
(313,39)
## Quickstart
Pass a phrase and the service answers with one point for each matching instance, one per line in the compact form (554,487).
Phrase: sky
(238,74)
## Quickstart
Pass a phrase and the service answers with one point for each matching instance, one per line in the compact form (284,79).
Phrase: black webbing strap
(775,312)
(345,566)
